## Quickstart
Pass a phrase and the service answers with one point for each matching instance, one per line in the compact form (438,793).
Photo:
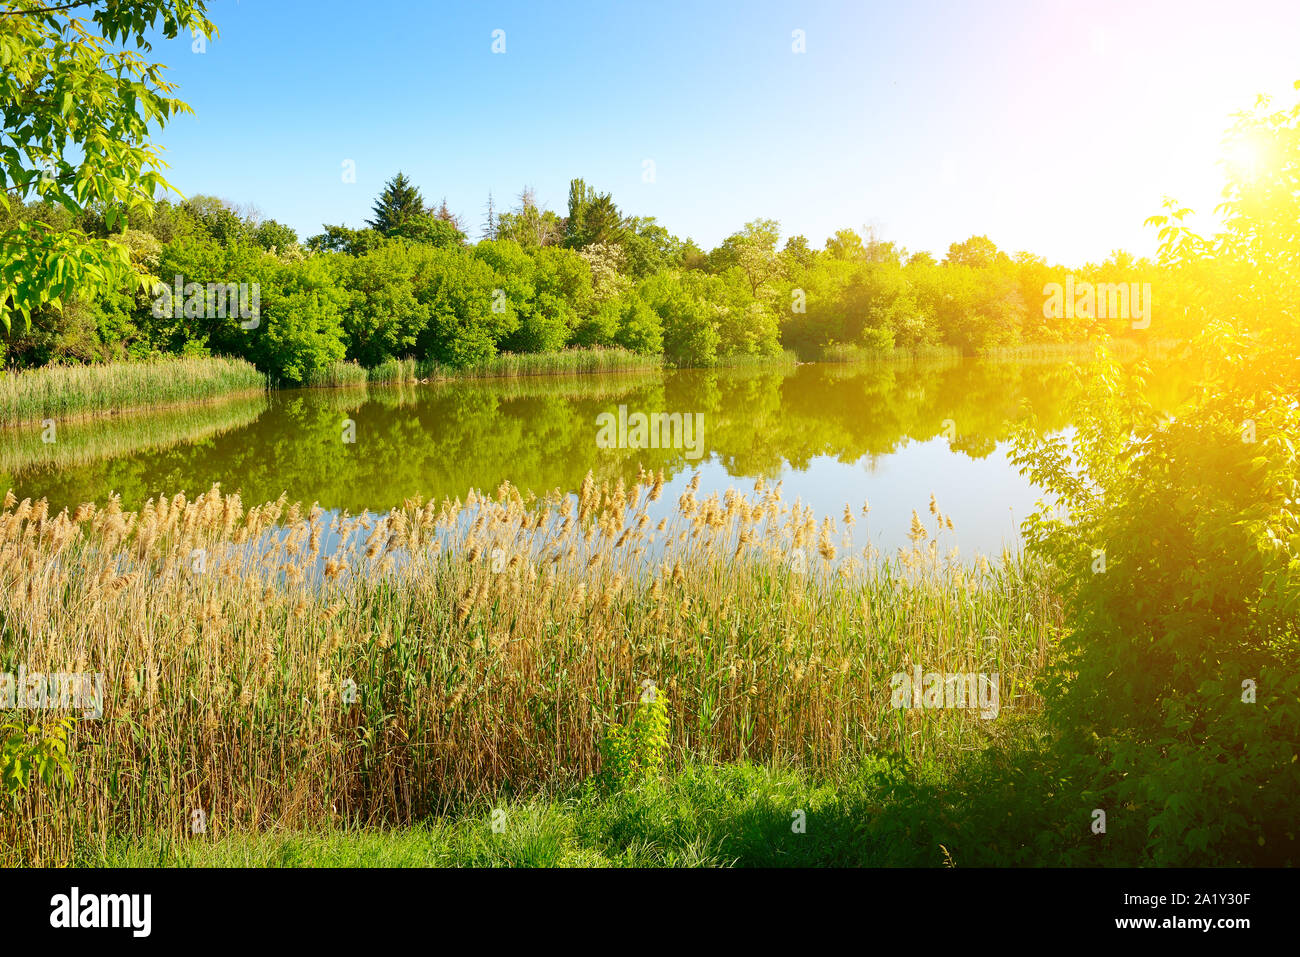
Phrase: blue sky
(1050,125)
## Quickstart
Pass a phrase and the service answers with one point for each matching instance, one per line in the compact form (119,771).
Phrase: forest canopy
(410,283)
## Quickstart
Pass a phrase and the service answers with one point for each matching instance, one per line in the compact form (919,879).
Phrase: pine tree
(399,203)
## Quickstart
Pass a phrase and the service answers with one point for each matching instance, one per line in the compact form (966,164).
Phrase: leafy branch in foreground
(25,749)
(75,111)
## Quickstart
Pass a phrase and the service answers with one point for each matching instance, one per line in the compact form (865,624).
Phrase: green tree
(399,202)
(593,217)
(273,236)
(75,111)
(649,248)
(689,329)
(300,329)
(343,239)
(383,317)
(846,244)
(430,229)
(753,252)
(978,252)
(639,326)
(528,224)
(218,219)
(469,313)
(798,251)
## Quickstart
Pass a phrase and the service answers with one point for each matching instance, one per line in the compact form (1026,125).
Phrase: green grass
(878,813)
(515,365)
(701,816)
(393,372)
(67,391)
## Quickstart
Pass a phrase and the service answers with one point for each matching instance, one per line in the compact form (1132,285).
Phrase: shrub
(637,751)
(1177,695)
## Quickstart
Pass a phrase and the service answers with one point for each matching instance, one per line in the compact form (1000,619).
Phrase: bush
(637,751)
(1176,696)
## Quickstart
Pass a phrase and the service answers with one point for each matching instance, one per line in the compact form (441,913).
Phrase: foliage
(541,284)
(396,207)
(593,217)
(1177,695)
(32,748)
(637,751)
(77,107)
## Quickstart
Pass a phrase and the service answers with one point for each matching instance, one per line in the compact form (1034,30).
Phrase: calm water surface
(887,434)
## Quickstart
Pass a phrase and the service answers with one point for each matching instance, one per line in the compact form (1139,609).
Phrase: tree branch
(66,6)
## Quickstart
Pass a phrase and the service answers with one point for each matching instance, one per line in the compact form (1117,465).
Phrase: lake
(887,434)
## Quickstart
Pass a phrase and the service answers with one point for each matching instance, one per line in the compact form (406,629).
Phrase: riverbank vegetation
(72,391)
(549,290)
(450,651)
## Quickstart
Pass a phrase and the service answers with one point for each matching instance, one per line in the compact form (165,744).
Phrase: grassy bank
(489,646)
(64,392)
(850,353)
(985,810)
(1126,350)
(337,375)
(875,813)
(568,362)
(60,392)
(505,365)
(787,357)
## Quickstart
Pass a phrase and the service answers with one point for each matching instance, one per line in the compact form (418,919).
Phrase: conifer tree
(399,203)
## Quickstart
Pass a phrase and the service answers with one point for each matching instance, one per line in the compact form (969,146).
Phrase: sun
(1245,157)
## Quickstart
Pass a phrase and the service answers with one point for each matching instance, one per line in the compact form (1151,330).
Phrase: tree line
(412,284)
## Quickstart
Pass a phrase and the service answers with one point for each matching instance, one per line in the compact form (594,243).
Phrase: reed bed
(595,386)
(336,375)
(261,673)
(393,372)
(787,357)
(842,352)
(67,391)
(593,360)
(1126,350)
(566,362)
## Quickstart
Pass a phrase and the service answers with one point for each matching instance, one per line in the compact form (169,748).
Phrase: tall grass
(393,372)
(1126,350)
(336,375)
(567,362)
(489,644)
(64,391)
(787,357)
(516,365)
(843,352)
(590,386)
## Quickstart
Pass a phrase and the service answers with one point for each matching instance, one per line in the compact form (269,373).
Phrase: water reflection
(888,433)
